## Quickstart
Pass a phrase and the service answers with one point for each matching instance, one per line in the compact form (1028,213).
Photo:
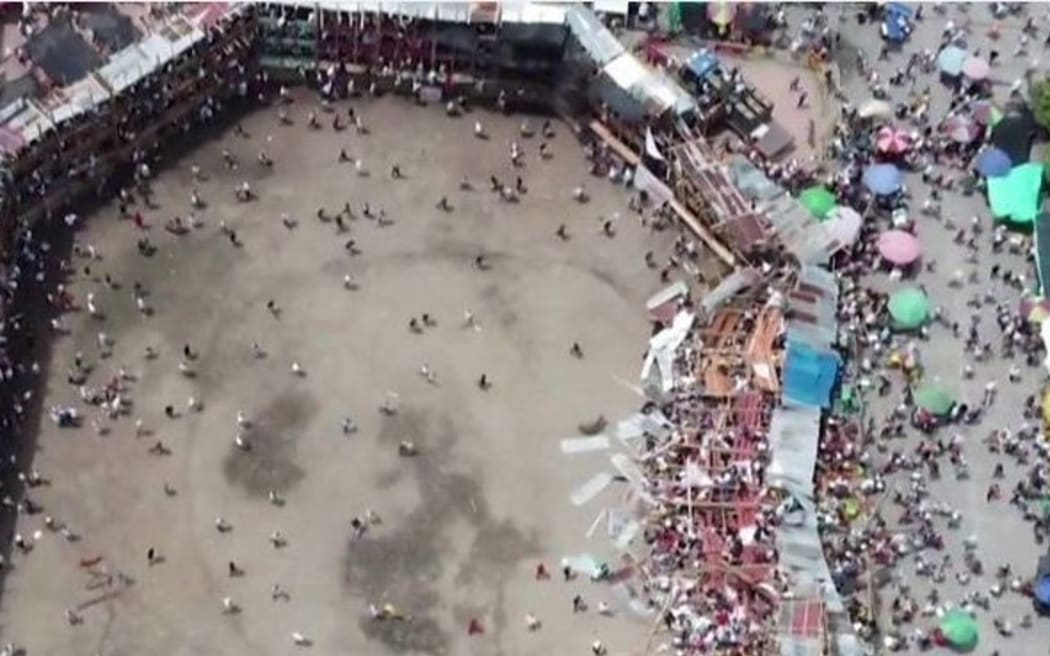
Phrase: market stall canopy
(810,375)
(975,68)
(993,163)
(934,398)
(961,129)
(909,308)
(883,179)
(875,108)
(899,247)
(1042,250)
(818,200)
(892,140)
(599,43)
(959,629)
(1014,134)
(1016,196)
(950,60)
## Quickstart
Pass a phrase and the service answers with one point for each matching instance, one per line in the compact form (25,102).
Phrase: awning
(810,375)
(592,36)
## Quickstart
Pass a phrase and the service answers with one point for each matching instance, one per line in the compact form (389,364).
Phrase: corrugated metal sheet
(125,68)
(793,435)
(730,286)
(23,118)
(74,100)
(593,37)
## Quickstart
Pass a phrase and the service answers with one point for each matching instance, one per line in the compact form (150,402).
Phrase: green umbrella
(959,629)
(818,200)
(909,308)
(933,397)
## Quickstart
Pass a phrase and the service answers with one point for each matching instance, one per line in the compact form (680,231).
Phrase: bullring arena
(454,533)
(522,328)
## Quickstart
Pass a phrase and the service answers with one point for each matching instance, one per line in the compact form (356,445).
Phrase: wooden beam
(687,217)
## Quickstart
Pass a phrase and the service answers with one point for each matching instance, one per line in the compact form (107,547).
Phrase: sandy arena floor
(464,524)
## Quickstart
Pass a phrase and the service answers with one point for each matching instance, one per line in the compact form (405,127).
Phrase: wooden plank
(684,214)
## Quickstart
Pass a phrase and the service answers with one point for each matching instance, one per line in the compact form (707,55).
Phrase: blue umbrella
(950,60)
(1042,590)
(993,163)
(883,179)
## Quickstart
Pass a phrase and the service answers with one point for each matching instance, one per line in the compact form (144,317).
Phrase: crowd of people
(713,557)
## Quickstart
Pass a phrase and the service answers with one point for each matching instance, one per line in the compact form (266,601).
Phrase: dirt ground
(463,524)
(772,76)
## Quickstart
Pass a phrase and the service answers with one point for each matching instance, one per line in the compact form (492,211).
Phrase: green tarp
(818,200)
(1015,197)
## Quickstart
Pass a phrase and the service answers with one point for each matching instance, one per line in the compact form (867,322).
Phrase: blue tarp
(702,63)
(810,375)
(899,9)
(895,29)
(896,22)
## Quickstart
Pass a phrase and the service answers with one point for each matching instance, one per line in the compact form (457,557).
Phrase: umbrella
(950,60)
(1034,309)
(818,200)
(959,629)
(843,225)
(909,308)
(875,108)
(1041,592)
(883,179)
(975,68)
(899,247)
(985,113)
(892,140)
(993,163)
(721,13)
(934,398)
(961,129)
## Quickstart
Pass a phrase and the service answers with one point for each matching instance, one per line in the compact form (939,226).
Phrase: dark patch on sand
(404,563)
(270,464)
(498,306)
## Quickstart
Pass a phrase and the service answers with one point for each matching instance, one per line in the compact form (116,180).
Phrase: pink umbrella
(975,68)
(892,140)
(960,128)
(984,112)
(899,247)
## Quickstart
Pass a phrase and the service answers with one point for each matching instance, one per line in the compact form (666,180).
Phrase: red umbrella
(961,129)
(899,247)
(892,140)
